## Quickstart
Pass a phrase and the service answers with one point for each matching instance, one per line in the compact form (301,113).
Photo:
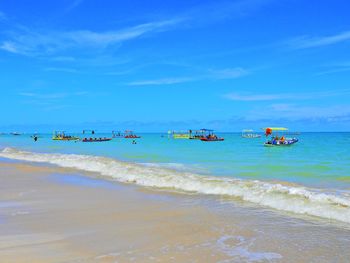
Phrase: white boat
(250,134)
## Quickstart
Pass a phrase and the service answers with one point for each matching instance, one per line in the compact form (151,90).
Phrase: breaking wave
(296,199)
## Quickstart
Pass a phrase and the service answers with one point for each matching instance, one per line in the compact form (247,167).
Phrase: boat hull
(287,143)
(66,139)
(96,140)
(211,140)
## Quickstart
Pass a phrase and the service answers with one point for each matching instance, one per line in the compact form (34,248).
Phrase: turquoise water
(320,160)
(309,178)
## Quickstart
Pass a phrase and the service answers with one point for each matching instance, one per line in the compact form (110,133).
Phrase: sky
(163,65)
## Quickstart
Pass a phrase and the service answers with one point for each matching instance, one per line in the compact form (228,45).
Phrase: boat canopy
(247,130)
(276,128)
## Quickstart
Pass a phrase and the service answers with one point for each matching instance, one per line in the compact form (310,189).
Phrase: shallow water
(311,177)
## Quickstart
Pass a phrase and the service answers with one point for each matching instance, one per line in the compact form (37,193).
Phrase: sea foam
(296,199)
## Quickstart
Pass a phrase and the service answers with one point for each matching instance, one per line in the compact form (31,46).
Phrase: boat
(104,139)
(209,136)
(130,135)
(250,134)
(276,139)
(117,134)
(180,135)
(15,133)
(197,135)
(62,136)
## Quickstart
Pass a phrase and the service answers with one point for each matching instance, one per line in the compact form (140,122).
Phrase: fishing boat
(104,139)
(93,138)
(278,137)
(209,136)
(15,133)
(180,134)
(130,135)
(249,134)
(197,135)
(62,136)
(117,134)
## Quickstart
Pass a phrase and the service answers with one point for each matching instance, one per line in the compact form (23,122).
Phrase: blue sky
(159,65)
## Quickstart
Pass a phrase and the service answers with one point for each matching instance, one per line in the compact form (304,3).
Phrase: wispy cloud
(73,5)
(51,96)
(295,112)
(211,74)
(164,81)
(29,42)
(312,42)
(256,97)
(228,73)
(335,68)
(284,96)
(65,70)
(216,11)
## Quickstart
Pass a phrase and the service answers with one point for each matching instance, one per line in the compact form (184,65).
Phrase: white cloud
(30,42)
(294,112)
(228,73)
(164,81)
(66,70)
(51,96)
(310,42)
(211,74)
(284,96)
(73,4)
(43,96)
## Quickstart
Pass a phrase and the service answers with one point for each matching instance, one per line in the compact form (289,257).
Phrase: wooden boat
(209,136)
(96,139)
(206,139)
(62,136)
(130,135)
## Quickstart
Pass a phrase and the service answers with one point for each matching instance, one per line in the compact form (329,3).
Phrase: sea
(310,179)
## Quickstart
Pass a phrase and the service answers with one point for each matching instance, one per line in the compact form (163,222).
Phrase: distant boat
(180,134)
(96,139)
(250,134)
(62,136)
(197,135)
(209,136)
(117,134)
(130,135)
(15,133)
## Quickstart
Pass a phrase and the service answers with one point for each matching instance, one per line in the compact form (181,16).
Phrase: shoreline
(56,214)
(326,205)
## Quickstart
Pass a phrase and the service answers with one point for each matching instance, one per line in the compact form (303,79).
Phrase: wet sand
(50,214)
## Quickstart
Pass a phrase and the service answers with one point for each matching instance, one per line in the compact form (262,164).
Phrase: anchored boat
(104,139)
(130,135)
(278,137)
(180,134)
(94,139)
(62,136)
(250,134)
(209,136)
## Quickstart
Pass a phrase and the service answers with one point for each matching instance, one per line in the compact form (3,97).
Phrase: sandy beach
(51,214)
